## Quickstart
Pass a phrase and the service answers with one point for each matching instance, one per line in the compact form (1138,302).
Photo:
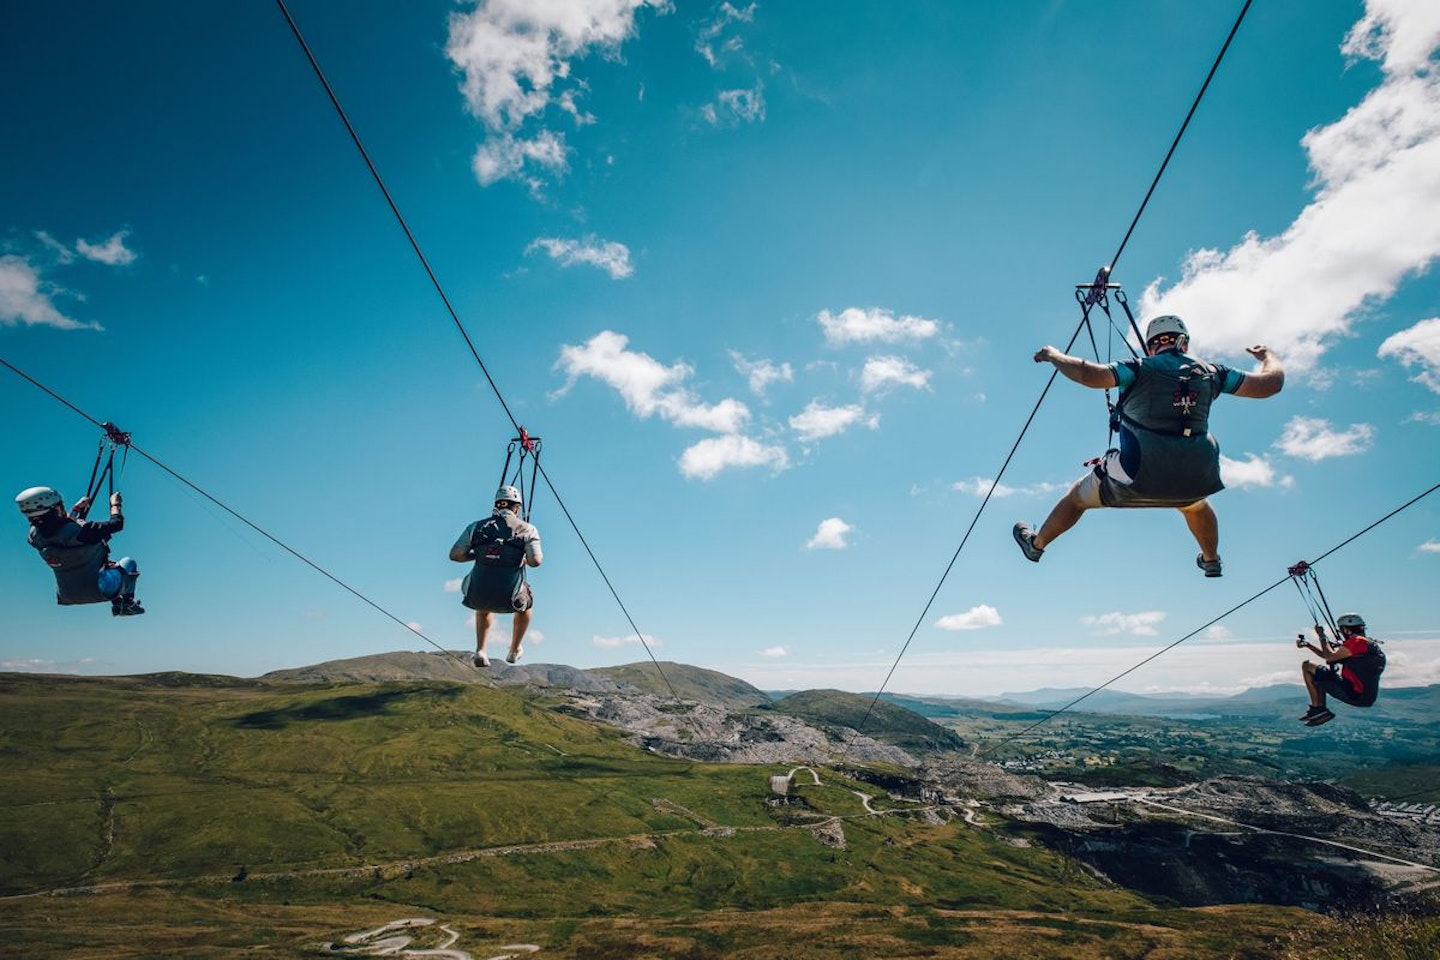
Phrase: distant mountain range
(711,686)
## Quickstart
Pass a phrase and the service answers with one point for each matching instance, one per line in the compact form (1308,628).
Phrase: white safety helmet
(1166,324)
(37,501)
(509,494)
(1350,620)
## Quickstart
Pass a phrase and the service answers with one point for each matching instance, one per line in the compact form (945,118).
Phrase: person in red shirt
(1352,671)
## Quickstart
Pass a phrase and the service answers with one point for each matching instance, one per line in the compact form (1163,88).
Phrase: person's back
(501,546)
(1167,455)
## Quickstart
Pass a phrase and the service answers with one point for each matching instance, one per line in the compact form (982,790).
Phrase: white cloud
(976,618)
(505,155)
(1418,345)
(773,652)
(1251,472)
(453,586)
(1312,438)
(112,252)
(882,372)
(1374,219)
(1218,632)
(980,486)
(711,30)
(608,255)
(1141,624)
(853,325)
(830,535)
(62,253)
(817,421)
(734,107)
(761,373)
(1430,546)
(613,643)
(414,626)
(707,458)
(515,57)
(647,386)
(26,298)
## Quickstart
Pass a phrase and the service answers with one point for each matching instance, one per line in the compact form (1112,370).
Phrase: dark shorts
(1330,683)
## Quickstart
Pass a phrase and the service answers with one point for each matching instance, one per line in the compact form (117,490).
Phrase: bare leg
(483,620)
(1204,527)
(1063,516)
(518,628)
(1307,673)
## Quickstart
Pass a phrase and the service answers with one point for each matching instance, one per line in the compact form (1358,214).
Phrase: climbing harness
(114,439)
(1099,293)
(528,448)
(1307,583)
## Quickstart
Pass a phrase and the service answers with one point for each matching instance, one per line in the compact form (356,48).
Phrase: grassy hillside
(218,818)
(886,722)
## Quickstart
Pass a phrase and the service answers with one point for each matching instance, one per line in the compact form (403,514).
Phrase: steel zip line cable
(1204,626)
(243,519)
(1174,144)
(455,317)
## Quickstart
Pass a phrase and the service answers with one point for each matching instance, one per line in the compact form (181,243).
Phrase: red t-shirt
(1357,645)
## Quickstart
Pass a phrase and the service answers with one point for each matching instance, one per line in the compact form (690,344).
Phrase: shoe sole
(1317,721)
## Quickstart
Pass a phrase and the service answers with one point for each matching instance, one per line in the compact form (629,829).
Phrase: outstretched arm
(1079,369)
(1265,382)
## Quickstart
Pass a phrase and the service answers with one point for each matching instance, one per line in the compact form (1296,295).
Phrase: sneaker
(125,607)
(1312,713)
(1026,538)
(480,661)
(1211,567)
(514,655)
(1324,716)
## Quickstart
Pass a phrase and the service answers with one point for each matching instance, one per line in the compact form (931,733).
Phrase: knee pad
(131,568)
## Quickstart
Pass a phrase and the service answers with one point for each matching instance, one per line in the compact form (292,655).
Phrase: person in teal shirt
(1167,456)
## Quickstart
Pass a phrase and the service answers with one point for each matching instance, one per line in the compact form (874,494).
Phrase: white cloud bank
(773,652)
(976,618)
(608,255)
(1374,220)
(516,62)
(853,325)
(1313,439)
(1430,546)
(830,535)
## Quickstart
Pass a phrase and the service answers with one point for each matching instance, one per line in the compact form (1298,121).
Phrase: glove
(115,501)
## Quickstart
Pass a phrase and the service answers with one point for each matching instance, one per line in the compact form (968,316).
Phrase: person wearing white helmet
(501,547)
(78,550)
(1351,673)
(1167,456)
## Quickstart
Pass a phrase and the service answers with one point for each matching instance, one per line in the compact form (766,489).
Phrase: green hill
(886,722)
(218,819)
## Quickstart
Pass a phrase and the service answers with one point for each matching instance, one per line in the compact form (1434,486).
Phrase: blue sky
(767,283)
